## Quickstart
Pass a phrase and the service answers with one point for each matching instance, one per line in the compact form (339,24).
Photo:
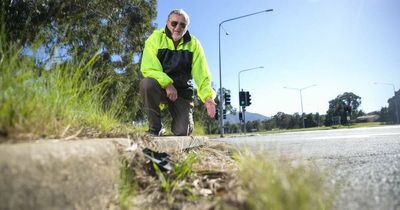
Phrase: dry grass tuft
(217,177)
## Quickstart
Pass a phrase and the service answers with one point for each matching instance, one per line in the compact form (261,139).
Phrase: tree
(268,124)
(253,126)
(392,109)
(282,120)
(320,119)
(339,105)
(81,29)
(310,121)
(87,26)
(233,128)
(384,115)
(296,121)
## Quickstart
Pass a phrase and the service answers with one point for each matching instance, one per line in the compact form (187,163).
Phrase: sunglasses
(175,23)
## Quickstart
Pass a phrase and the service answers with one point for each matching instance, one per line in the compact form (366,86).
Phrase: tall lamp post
(301,99)
(240,106)
(260,67)
(395,101)
(221,118)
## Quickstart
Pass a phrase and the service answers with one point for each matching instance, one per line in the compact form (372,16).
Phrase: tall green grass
(39,102)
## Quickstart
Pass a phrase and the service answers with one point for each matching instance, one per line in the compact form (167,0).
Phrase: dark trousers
(181,109)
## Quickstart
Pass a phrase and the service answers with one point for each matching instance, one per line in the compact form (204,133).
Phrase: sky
(339,45)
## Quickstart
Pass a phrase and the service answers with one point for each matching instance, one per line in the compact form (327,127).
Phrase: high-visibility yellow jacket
(167,64)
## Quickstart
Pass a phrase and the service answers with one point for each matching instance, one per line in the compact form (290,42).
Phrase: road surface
(365,160)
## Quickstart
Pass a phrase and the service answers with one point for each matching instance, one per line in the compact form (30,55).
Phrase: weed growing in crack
(128,185)
(174,183)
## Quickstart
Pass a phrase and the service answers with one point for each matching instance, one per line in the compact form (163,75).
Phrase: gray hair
(180,12)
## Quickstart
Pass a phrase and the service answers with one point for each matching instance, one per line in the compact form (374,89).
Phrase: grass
(212,178)
(366,124)
(39,103)
(127,186)
(282,184)
(198,129)
(174,182)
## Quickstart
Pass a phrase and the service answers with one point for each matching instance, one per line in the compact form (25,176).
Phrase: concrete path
(78,174)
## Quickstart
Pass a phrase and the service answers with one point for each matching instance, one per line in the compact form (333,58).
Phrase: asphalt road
(365,161)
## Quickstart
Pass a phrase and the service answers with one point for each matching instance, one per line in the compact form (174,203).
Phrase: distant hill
(249,117)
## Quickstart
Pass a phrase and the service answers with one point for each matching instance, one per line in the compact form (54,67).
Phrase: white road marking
(357,136)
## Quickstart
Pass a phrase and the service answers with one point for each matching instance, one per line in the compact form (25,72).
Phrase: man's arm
(202,77)
(151,66)
(201,74)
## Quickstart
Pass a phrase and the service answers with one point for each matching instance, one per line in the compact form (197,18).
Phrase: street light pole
(221,108)
(301,99)
(259,67)
(240,106)
(394,98)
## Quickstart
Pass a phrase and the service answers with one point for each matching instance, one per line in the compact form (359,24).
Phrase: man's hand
(210,106)
(172,94)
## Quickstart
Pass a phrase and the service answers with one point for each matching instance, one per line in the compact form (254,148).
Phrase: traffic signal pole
(244,120)
(244,100)
(242,109)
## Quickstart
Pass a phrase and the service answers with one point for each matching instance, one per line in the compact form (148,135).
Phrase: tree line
(343,110)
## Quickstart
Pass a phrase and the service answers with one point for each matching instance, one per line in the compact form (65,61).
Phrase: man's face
(177,26)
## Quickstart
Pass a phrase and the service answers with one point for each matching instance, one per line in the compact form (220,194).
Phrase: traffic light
(224,114)
(240,116)
(227,99)
(248,98)
(216,114)
(242,98)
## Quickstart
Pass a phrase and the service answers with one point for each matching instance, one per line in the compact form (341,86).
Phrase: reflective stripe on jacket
(167,64)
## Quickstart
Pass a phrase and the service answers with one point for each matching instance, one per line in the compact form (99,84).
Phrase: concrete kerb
(78,174)
(170,144)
